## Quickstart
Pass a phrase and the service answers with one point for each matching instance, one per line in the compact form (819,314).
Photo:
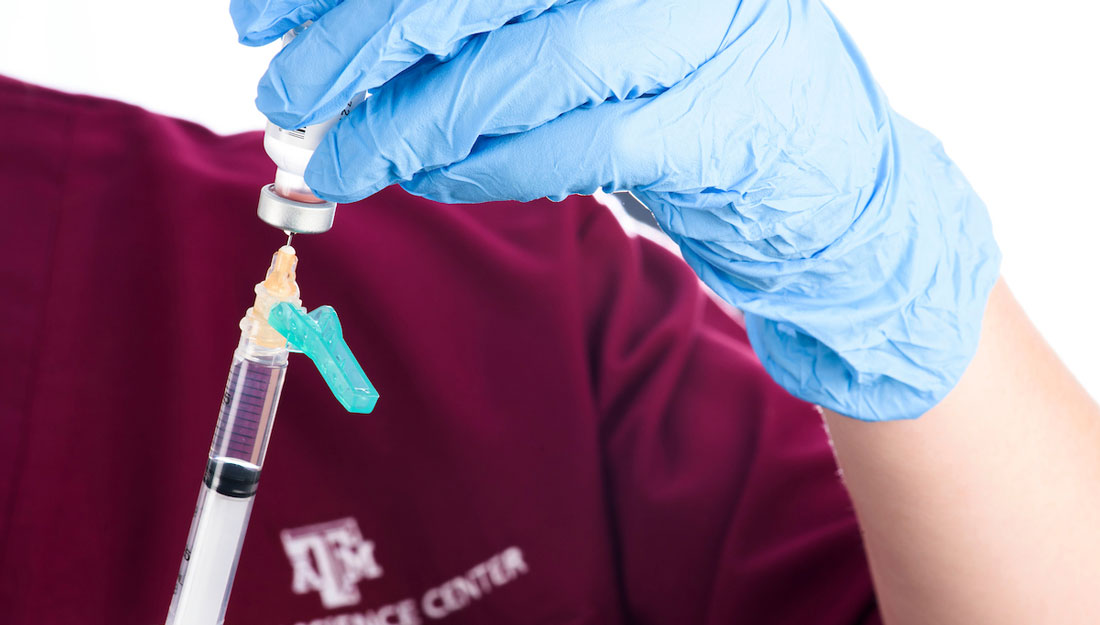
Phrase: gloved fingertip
(273,101)
(342,196)
(331,188)
(256,39)
(247,21)
(436,186)
(324,177)
(339,198)
(335,191)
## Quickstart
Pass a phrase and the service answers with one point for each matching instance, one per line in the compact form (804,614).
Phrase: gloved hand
(753,130)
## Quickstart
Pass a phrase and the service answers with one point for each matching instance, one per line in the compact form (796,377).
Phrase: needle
(289,236)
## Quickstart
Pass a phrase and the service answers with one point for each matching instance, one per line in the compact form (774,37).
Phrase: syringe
(275,326)
(236,455)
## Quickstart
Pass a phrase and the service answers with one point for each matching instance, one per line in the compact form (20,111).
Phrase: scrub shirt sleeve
(722,491)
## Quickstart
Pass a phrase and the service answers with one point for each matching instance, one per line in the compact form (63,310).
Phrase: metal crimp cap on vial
(294,216)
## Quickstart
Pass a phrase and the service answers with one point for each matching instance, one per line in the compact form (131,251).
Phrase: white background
(1009,86)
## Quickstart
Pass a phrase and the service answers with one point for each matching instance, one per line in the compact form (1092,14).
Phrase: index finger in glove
(514,79)
(360,44)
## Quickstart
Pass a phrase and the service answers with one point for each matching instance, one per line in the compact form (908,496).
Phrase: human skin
(987,508)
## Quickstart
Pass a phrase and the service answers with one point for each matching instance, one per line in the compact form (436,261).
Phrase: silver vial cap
(293,216)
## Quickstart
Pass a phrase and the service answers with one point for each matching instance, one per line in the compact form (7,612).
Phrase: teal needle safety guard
(319,336)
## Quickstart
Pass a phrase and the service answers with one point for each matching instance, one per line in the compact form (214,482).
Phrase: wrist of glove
(752,130)
(878,322)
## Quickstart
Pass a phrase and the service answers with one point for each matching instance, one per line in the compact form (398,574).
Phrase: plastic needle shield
(319,336)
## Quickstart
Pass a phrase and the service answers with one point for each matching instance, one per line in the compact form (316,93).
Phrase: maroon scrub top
(569,431)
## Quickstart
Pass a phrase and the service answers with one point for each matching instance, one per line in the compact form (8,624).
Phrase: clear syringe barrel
(229,485)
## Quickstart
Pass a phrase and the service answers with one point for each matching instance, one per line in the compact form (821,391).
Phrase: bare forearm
(987,508)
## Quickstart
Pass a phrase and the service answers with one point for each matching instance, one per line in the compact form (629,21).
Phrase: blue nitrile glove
(753,130)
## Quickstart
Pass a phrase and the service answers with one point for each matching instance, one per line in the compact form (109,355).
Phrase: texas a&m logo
(330,558)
